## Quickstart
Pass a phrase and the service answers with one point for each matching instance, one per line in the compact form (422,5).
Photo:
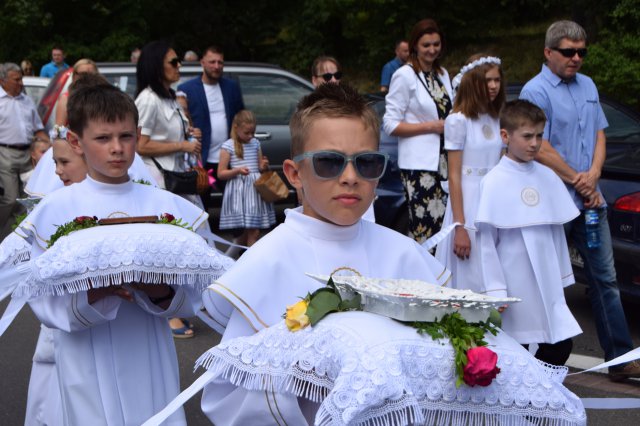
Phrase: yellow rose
(296,317)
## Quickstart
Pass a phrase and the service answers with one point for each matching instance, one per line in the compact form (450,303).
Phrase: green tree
(613,59)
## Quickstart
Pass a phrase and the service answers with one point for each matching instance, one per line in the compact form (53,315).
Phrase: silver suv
(268,90)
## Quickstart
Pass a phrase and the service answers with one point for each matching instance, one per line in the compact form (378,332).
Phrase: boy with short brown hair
(115,356)
(523,206)
(335,163)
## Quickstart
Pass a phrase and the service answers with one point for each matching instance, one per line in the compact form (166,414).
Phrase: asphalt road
(18,343)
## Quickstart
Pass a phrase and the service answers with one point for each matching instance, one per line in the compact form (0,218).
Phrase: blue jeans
(603,292)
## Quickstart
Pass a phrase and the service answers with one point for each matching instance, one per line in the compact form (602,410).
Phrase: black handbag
(179,182)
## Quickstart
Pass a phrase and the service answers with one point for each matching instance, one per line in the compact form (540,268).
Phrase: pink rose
(481,366)
(168,217)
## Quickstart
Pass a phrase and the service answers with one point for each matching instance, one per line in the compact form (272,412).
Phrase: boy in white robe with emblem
(523,248)
(336,165)
(115,357)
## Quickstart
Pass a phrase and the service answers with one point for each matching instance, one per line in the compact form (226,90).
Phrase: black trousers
(554,353)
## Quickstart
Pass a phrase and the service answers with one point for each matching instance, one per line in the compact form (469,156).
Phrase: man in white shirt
(19,122)
(213,102)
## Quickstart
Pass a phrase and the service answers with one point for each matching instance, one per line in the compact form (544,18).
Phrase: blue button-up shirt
(574,117)
(388,70)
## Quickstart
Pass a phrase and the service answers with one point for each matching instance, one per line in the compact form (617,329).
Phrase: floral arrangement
(80,222)
(84,222)
(475,363)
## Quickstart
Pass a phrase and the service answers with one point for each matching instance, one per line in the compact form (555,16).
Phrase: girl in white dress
(472,139)
(241,162)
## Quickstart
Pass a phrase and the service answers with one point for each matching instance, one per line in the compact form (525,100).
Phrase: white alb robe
(524,251)
(254,294)
(115,360)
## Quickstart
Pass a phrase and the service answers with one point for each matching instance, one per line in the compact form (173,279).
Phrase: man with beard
(213,102)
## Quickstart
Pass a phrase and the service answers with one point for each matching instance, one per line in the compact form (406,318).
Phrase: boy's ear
(74,142)
(290,169)
(505,136)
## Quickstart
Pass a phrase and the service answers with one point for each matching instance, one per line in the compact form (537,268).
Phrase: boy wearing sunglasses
(574,146)
(336,165)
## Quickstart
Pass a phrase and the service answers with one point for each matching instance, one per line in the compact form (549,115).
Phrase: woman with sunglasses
(81,67)
(325,69)
(164,128)
(419,99)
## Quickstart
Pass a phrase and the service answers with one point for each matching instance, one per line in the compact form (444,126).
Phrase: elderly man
(402,54)
(574,147)
(57,63)
(213,102)
(19,121)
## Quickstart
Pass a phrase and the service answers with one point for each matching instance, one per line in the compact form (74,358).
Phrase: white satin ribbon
(632,355)
(180,400)
(436,239)
(610,403)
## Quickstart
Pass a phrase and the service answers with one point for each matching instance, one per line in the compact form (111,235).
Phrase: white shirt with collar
(19,119)
(408,101)
(161,120)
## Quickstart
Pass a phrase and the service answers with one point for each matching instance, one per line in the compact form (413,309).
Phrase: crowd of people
(511,179)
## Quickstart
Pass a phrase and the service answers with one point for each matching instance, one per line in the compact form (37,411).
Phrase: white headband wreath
(58,132)
(455,83)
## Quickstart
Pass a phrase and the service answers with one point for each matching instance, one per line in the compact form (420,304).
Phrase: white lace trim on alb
(121,254)
(370,370)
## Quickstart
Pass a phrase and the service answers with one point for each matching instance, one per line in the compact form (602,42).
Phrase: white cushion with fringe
(367,369)
(120,254)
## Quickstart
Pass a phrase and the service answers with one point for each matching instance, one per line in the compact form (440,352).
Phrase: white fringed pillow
(127,253)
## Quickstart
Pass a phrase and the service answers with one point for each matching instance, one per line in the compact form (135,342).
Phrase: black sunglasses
(369,165)
(327,76)
(570,53)
(174,62)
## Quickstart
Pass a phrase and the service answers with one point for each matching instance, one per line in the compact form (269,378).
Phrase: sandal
(182,333)
(187,324)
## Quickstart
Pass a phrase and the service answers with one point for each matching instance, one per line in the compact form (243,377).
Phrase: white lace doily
(14,249)
(367,369)
(119,254)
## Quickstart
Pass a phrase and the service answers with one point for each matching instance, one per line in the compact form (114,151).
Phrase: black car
(620,184)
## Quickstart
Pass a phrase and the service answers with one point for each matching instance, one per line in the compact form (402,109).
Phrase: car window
(124,82)
(621,125)
(272,98)
(35,93)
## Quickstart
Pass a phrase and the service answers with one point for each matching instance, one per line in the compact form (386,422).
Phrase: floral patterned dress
(425,196)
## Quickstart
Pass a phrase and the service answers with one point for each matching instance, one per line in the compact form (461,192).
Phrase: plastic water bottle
(591,222)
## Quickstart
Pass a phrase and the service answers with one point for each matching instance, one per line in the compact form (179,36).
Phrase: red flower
(82,219)
(168,217)
(481,366)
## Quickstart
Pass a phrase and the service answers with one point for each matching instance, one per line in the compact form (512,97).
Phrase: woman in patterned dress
(419,99)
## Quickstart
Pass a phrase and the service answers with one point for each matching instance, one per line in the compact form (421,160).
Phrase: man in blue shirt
(402,54)
(574,147)
(57,63)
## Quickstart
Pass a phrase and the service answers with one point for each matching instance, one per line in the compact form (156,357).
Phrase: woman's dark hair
(425,26)
(150,69)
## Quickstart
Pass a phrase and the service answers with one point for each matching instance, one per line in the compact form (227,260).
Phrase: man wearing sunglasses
(574,147)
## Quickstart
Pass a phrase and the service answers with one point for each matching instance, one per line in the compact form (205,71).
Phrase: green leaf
(355,303)
(321,304)
(495,318)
